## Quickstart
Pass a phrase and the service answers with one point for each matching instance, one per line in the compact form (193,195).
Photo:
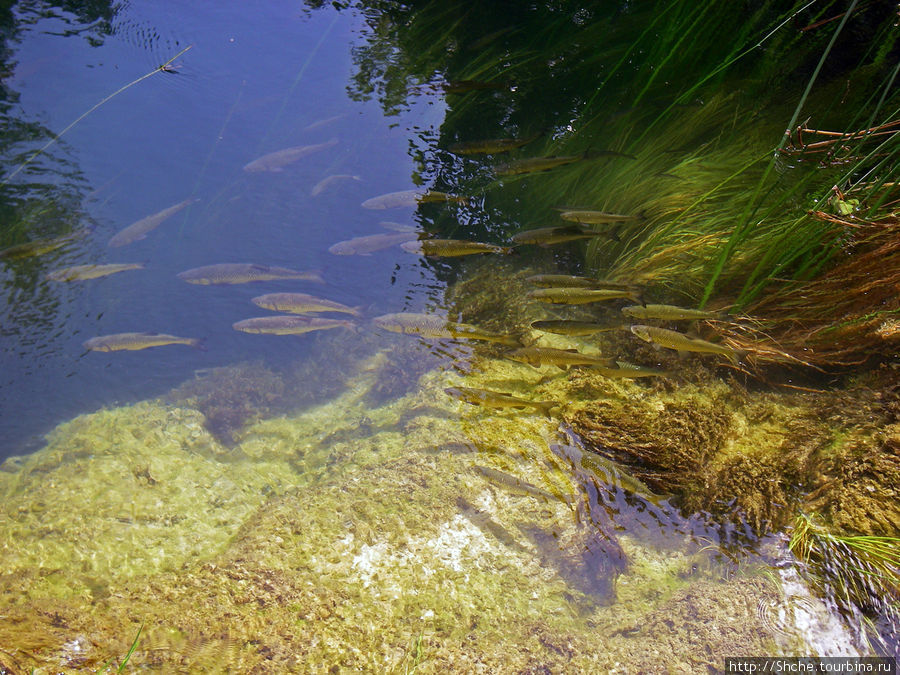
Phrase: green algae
(322,542)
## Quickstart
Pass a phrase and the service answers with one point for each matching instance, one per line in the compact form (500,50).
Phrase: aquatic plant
(857,573)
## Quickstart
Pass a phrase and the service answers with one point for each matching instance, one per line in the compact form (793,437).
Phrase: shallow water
(327,480)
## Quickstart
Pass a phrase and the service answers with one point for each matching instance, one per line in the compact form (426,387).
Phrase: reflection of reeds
(861,574)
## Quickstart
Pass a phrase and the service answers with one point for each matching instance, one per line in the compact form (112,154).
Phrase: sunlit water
(255,82)
(248,86)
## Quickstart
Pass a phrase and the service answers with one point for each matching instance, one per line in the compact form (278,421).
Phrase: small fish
(535,164)
(242,273)
(437,327)
(545,236)
(408,198)
(134,341)
(325,182)
(670,313)
(83,272)
(371,243)
(511,483)
(581,296)
(301,303)
(498,399)
(682,343)
(276,161)
(569,281)
(490,146)
(452,247)
(566,327)
(563,358)
(321,123)
(606,471)
(596,217)
(290,325)
(31,249)
(138,230)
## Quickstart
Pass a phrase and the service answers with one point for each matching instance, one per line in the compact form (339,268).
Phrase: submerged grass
(858,573)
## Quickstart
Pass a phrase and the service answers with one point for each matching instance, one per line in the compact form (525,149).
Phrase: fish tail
(198,343)
(315,276)
(508,250)
(511,341)
(613,233)
(358,310)
(638,296)
(546,406)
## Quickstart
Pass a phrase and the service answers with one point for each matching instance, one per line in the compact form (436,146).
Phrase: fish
(290,325)
(301,303)
(544,236)
(370,243)
(581,296)
(606,471)
(670,313)
(453,247)
(325,182)
(134,341)
(511,483)
(498,399)
(324,122)
(682,343)
(31,249)
(434,326)
(83,272)
(242,273)
(567,327)
(138,230)
(569,281)
(490,146)
(563,358)
(534,164)
(394,200)
(276,161)
(596,217)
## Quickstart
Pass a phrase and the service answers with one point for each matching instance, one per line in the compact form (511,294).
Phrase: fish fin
(358,310)
(682,354)
(509,250)
(199,343)
(315,276)
(638,296)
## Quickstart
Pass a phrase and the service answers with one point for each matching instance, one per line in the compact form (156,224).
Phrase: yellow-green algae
(334,539)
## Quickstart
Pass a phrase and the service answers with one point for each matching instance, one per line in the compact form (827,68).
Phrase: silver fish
(138,230)
(242,273)
(134,341)
(408,198)
(371,243)
(301,303)
(84,272)
(682,343)
(325,182)
(276,161)
(290,325)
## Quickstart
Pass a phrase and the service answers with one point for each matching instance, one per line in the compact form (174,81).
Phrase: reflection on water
(424,422)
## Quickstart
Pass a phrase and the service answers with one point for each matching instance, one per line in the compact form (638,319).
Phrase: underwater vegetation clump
(421,539)
(231,397)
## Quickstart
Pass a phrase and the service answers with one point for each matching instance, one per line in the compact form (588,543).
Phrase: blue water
(251,83)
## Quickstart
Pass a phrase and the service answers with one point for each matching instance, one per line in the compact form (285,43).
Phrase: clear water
(258,81)
(251,84)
